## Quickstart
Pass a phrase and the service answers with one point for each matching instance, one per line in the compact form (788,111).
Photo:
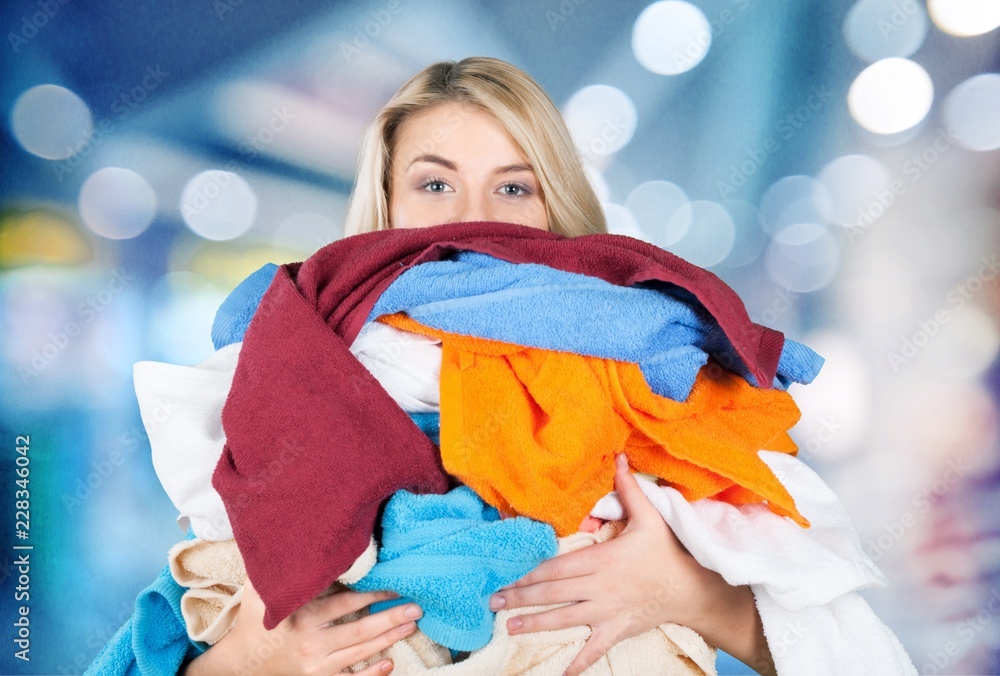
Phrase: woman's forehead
(456,137)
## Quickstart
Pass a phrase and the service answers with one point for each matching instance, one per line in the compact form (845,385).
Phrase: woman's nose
(474,207)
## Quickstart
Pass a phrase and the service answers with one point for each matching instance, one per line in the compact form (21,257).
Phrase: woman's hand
(306,642)
(637,581)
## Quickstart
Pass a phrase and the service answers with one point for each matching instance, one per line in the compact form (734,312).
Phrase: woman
(478,140)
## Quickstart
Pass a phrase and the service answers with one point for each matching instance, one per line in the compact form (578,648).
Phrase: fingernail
(514,624)
(407,628)
(386,667)
(391,594)
(413,612)
(622,461)
(497,602)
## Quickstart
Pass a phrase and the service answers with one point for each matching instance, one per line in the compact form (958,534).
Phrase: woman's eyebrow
(434,159)
(510,168)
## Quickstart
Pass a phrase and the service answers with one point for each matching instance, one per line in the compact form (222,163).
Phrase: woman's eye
(514,190)
(434,186)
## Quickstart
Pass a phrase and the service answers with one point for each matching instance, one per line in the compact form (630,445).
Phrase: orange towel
(534,432)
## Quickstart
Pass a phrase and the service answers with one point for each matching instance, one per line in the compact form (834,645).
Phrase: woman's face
(453,163)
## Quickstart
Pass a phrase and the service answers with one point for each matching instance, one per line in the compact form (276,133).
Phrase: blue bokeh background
(863,227)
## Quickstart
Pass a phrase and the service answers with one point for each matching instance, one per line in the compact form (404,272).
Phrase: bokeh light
(710,237)
(671,37)
(890,96)
(117,203)
(854,184)
(750,237)
(803,257)
(601,118)
(40,237)
(622,222)
(51,122)
(791,200)
(218,205)
(972,112)
(836,407)
(965,18)
(879,29)
(965,345)
(654,205)
(181,326)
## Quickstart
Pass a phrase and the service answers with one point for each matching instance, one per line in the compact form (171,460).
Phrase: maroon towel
(315,445)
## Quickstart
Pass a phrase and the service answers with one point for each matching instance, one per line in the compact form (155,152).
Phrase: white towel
(407,365)
(181,408)
(804,579)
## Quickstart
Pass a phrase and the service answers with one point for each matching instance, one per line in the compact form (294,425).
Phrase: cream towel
(214,573)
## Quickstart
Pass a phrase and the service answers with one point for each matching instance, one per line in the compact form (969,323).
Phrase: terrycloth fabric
(449,553)
(214,575)
(153,641)
(429,424)
(669,649)
(475,294)
(406,364)
(669,338)
(181,408)
(234,315)
(804,580)
(309,430)
(534,431)
(680,279)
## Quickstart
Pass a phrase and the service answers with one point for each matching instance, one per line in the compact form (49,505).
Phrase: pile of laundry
(436,411)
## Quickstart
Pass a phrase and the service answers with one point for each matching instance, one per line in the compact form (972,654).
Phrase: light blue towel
(449,553)
(154,641)
(429,423)
(234,315)
(664,330)
(670,334)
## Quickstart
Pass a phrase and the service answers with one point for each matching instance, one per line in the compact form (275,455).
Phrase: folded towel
(214,575)
(153,641)
(309,429)
(449,553)
(533,431)
(804,580)
(666,332)
(181,408)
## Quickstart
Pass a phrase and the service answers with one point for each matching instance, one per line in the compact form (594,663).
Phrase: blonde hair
(514,100)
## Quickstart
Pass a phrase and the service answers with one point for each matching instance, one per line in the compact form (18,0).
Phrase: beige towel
(215,574)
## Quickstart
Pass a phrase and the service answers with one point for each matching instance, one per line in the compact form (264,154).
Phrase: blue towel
(664,330)
(670,334)
(449,553)
(234,315)
(154,640)
(429,423)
